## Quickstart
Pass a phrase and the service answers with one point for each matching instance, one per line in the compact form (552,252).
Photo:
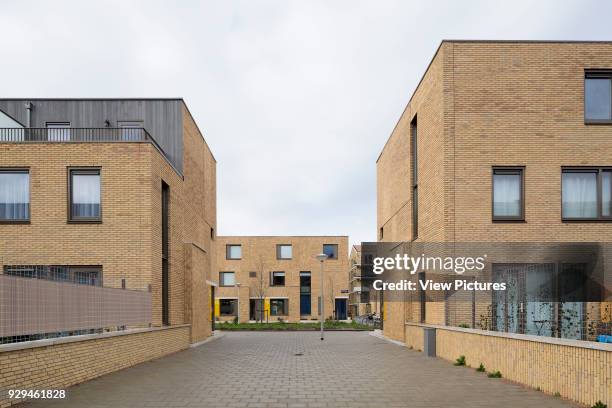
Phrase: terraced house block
(278,278)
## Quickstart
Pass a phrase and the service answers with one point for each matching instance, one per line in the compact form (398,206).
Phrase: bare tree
(258,288)
(330,288)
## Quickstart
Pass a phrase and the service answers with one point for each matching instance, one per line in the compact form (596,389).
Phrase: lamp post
(321,258)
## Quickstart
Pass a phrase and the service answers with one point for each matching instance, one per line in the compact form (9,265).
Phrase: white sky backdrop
(295,98)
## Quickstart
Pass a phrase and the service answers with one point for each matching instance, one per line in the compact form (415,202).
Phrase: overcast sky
(295,98)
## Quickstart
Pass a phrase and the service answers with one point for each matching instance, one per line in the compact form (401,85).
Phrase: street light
(321,258)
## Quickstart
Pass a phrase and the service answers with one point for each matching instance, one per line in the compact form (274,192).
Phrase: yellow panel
(217,308)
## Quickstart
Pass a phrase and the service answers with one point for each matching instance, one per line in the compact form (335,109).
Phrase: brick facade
(259,256)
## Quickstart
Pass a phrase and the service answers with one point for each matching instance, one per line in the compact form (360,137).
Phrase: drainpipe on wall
(28,106)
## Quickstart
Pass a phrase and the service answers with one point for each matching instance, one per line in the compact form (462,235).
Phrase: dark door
(212,307)
(340,309)
(165,249)
(305,291)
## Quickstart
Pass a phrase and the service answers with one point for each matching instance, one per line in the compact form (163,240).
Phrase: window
(227,279)
(83,275)
(14,195)
(508,194)
(279,307)
(585,194)
(233,252)
(381,233)
(331,250)
(227,307)
(84,195)
(415,179)
(277,279)
(212,233)
(130,130)
(58,131)
(284,251)
(598,97)
(252,274)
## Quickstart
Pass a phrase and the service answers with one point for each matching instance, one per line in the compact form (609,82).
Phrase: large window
(508,194)
(585,194)
(227,307)
(279,307)
(14,195)
(233,252)
(227,278)
(598,97)
(83,275)
(84,195)
(284,251)
(331,250)
(277,279)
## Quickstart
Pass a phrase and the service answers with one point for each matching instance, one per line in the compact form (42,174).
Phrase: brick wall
(581,371)
(259,255)
(69,362)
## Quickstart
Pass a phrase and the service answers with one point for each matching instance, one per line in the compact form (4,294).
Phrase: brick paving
(296,369)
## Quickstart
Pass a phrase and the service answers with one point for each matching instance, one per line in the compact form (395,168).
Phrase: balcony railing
(107,134)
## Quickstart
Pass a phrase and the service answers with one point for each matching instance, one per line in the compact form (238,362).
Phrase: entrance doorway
(340,309)
(305,292)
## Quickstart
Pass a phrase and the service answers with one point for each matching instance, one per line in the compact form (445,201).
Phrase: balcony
(81,135)
(65,135)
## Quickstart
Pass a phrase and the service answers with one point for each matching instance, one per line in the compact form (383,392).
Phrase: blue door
(340,309)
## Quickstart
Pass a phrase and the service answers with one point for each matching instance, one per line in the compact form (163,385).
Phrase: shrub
(464,325)
(481,368)
(460,361)
(496,374)
(599,404)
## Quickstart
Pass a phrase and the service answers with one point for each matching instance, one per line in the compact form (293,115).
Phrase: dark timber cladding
(162,118)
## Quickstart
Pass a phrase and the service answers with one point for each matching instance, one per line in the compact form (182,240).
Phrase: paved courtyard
(296,369)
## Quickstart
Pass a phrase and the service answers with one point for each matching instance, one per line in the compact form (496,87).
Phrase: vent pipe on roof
(28,106)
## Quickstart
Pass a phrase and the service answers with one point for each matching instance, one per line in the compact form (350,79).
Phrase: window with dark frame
(14,195)
(277,278)
(586,194)
(284,251)
(252,274)
(415,178)
(84,195)
(233,251)
(227,307)
(598,97)
(279,307)
(508,194)
(227,279)
(331,250)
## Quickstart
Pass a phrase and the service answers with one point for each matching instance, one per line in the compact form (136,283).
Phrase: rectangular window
(14,195)
(82,275)
(331,250)
(227,278)
(233,251)
(58,131)
(284,251)
(277,279)
(585,194)
(598,97)
(415,179)
(227,307)
(508,194)
(131,130)
(381,233)
(279,307)
(84,195)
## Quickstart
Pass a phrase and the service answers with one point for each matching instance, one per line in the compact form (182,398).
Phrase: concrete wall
(60,363)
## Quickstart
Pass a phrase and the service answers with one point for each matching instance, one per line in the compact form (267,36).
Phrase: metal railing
(107,134)
(33,308)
